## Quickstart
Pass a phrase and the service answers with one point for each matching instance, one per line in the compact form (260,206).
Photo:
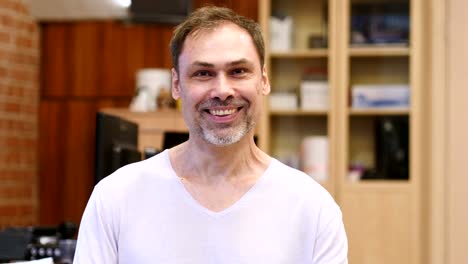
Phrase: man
(216,198)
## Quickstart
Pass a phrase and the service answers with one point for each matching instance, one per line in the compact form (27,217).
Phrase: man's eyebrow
(211,65)
(203,64)
(237,62)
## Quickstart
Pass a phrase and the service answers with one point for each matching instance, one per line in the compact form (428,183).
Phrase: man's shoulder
(293,182)
(132,177)
(288,176)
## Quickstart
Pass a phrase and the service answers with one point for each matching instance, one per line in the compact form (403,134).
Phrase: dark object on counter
(36,242)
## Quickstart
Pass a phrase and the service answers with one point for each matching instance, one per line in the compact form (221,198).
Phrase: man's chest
(193,244)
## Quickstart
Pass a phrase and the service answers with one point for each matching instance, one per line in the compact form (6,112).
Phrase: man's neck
(210,164)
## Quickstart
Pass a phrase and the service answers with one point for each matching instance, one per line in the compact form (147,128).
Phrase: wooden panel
(54,64)
(84,58)
(166,55)
(457,130)
(51,150)
(384,233)
(78,158)
(100,59)
(245,8)
(112,50)
(134,59)
(154,47)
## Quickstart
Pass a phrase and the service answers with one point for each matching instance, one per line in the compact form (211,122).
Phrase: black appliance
(116,144)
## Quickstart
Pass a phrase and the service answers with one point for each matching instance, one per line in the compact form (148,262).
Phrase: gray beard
(211,136)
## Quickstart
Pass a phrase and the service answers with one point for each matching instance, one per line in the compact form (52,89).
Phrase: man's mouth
(223,112)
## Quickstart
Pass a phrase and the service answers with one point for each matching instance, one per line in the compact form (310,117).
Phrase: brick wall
(19,97)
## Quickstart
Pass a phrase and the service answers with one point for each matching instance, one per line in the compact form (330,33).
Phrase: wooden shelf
(379,51)
(298,54)
(378,185)
(378,111)
(160,120)
(298,112)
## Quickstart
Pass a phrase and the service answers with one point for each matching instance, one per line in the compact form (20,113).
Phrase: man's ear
(265,81)
(175,84)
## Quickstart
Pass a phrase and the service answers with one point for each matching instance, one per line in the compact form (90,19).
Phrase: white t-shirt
(143,214)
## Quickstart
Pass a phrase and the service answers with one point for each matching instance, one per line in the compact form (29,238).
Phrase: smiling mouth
(223,112)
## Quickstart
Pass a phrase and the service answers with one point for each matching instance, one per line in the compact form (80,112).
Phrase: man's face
(221,84)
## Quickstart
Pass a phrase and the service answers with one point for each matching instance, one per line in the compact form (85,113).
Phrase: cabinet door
(380,177)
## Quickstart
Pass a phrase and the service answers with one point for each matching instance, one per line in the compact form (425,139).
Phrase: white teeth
(222,112)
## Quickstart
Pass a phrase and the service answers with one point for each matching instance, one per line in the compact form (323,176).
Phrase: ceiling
(75,9)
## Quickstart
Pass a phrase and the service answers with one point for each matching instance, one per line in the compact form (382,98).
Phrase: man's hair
(210,17)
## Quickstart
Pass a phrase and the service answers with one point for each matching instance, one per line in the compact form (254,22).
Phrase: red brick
(16,192)
(25,42)
(4,55)
(3,71)
(21,58)
(20,8)
(16,175)
(19,80)
(26,26)
(15,210)
(6,21)
(18,143)
(10,107)
(5,37)
(22,75)
(17,125)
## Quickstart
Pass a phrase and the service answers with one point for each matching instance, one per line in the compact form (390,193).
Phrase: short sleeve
(331,246)
(97,238)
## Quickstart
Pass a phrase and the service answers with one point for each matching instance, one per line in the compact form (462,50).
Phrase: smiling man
(216,198)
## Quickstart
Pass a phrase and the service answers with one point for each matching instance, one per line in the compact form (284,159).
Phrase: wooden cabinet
(151,125)
(382,216)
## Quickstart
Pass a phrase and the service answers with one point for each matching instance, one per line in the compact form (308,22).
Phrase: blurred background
(368,97)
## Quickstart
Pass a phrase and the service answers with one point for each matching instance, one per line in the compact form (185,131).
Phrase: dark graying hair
(208,18)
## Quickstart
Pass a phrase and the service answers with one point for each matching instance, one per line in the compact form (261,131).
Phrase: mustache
(216,102)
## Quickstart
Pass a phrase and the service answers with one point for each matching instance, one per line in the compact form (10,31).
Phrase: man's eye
(202,74)
(239,71)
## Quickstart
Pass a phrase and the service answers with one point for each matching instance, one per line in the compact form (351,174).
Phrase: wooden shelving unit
(298,112)
(382,217)
(298,54)
(378,111)
(369,51)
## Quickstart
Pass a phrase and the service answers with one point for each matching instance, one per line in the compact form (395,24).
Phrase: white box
(283,101)
(380,95)
(281,33)
(314,95)
(315,157)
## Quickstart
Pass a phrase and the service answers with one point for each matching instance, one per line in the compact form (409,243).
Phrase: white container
(315,157)
(281,33)
(283,101)
(148,84)
(314,95)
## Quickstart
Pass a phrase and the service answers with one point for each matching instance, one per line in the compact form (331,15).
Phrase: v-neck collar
(199,207)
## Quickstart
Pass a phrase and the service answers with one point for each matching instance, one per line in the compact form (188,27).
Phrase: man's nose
(222,88)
